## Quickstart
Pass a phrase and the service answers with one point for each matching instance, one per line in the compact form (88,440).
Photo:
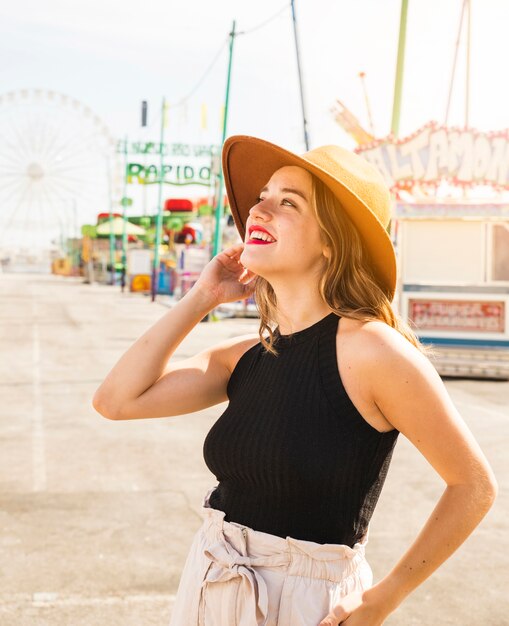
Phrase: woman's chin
(253,264)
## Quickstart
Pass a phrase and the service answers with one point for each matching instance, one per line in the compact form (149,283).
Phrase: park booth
(450,227)
(454,283)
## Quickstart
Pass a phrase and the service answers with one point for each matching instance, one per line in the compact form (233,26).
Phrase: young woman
(315,404)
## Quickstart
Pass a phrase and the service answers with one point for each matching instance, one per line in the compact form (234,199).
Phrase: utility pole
(110,222)
(144,124)
(466,7)
(301,84)
(159,219)
(467,78)
(220,199)
(398,85)
(362,76)
(124,216)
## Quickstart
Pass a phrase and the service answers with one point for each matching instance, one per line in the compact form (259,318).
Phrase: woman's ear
(326,251)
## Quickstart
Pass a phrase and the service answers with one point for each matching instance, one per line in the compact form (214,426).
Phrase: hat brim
(249,162)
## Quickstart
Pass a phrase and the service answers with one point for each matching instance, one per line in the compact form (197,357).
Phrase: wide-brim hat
(249,162)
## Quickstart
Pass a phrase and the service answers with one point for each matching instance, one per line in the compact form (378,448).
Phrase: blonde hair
(347,284)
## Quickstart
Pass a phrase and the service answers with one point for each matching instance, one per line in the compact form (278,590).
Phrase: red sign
(178,204)
(458,315)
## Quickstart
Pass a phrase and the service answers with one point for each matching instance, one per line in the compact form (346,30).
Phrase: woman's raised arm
(224,279)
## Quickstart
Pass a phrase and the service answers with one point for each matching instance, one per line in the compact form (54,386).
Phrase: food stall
(454,283)
(450,228)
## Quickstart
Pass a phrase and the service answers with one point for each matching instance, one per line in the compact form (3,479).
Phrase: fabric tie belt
(227,564)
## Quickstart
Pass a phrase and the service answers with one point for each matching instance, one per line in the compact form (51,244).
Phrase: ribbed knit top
(291,453)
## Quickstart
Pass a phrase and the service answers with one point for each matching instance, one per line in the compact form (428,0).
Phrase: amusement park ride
(58,162)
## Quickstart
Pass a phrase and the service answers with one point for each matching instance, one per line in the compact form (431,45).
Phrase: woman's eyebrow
(289,190)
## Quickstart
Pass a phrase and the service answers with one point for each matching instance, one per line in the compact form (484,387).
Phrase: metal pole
(110,222)
(467,82)
(144,124)
(301,84)
(398,84)
(76,255)
(362,76)
(124,216)
(220,199)
(454,63)
(159,219)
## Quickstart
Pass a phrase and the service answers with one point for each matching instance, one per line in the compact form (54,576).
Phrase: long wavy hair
(347,284)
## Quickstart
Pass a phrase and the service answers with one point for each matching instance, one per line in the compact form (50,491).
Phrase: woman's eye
(258,199)
(286,200)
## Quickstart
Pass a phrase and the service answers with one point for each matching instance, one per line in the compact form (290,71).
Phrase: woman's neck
(299,308)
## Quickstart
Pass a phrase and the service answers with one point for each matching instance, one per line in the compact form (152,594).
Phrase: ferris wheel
(58,169)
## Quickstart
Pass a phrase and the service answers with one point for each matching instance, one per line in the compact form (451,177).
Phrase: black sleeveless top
(292,455)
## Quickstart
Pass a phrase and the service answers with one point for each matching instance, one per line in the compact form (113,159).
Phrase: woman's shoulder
(372,355)
(238,346)
(375,351)
(375,339)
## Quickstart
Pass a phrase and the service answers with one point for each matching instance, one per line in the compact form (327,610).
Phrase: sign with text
(435,153)
(174,174)
(458,315)
(167,149)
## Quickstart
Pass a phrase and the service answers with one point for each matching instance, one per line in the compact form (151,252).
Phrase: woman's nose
(259,209)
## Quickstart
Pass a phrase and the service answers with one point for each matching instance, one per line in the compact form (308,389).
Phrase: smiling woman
(316,402)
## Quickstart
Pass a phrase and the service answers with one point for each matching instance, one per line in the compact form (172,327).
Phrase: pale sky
(112,54)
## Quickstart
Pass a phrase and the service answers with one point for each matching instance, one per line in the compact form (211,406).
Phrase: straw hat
(249,162)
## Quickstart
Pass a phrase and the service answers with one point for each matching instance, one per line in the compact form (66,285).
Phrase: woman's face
(284,210)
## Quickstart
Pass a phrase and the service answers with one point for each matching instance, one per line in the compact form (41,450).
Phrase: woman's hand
(355,610)
(225,279)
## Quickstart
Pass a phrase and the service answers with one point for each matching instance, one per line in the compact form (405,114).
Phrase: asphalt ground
(97,516)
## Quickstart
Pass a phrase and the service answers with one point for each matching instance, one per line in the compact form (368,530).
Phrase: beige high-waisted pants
(237,576)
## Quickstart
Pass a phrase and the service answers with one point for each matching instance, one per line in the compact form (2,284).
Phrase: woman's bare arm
(224,279)
(411,395)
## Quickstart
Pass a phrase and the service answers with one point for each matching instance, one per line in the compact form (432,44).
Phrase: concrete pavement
(97,516)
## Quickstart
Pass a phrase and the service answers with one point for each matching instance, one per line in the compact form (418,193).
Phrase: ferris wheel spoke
(41,133)
(25,153)
(62,171)
(73,180)
(79,143)
(15,186)
(47,150)
(6,227)
(9,174)
(85,155)
(83,166)
(62,141)
(26,229)
(72,190)
(32,131)
(55,207)
(13,157)
(66,146)
(76,196)
(46,205)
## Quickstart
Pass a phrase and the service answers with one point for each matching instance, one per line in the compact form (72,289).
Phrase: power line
(191,93)
(265,22)
(183,100)
(204,76)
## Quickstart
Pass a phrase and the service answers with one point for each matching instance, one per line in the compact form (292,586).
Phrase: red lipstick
(259,241)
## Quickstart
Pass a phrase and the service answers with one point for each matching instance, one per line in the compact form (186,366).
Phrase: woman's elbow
(492,488)
(486,489)
(103,408)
